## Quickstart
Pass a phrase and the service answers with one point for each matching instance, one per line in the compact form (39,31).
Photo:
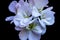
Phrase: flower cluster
(31,18)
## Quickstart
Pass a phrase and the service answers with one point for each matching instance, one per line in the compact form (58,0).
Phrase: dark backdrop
(7,31)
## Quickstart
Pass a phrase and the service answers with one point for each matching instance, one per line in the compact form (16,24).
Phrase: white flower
(47,16)
(30,18)
(21,18)
(31,34)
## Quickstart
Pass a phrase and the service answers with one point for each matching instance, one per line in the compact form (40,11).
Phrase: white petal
(21,2)
(9,18)
(33,36)
(31,2)
(32,21)
(48,9)
(27,8)
(43,30)
(23,35)
(37,30)
(23,22)
(18,28)
(42,23)
(35,12)
(17,19)
(40,3)
(12,6)
(26,21)
(49,16)
(20,13)
(16,22)
(49,22)
(42,26)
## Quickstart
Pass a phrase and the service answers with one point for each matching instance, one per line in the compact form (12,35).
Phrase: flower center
(43,16)
(40,10)
(31,26)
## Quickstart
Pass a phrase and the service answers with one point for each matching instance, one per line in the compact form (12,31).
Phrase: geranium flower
(32,32)
(21,18)
(30,18)
(47,16)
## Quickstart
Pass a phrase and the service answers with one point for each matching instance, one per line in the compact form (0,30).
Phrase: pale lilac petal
(37,30)
(24,22)
(40,3)
(49,22)
(16,22)
(17,19)
(27,9)
(31,2)
(35,12)
(42,23)
(9,18)
(33,36)
(49,16)
(48,9)
(12,6)
(43,31)
(20,14)
(21,2)
(32,21)
(18,28)
(42,26)
(23,35)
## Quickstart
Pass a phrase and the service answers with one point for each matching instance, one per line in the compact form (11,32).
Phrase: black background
(7,31)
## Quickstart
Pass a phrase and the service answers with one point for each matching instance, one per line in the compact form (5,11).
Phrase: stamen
(31,26)
(40,9)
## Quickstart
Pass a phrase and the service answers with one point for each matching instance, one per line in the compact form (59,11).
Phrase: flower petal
(42,23)
(27,8)
(48,9)
(18,28)
(42,26)
(33,36)
(49,16)
(32,21)
(49,22)
(31,2)
(16,22)
(9,18)
(40,3)
(37,30)
(11,7)
(35,12)
(23,35)
(26,21)
(21,2)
